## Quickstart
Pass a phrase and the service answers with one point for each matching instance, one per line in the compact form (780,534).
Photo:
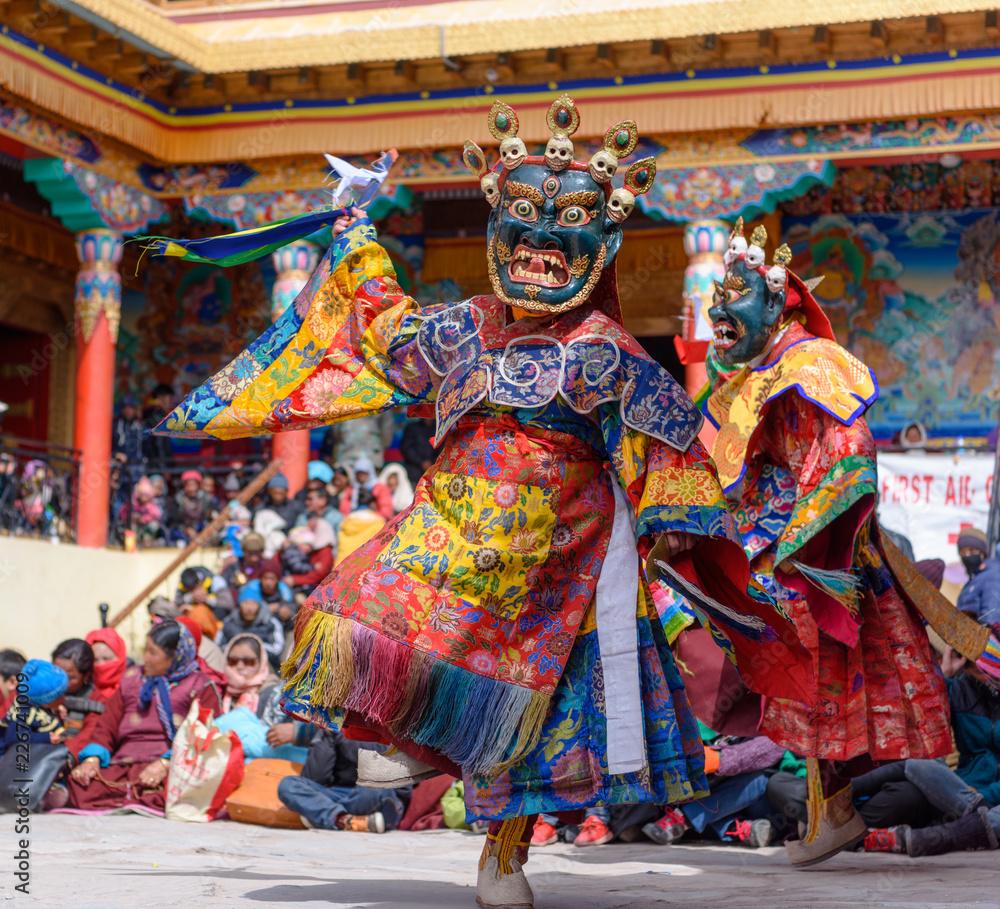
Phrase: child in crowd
(147,515)
(35,709)
(159,491)
(268,588)
(11,663)
(314,560)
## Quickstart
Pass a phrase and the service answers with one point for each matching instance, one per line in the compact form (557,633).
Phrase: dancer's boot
(834,824)
(502,884)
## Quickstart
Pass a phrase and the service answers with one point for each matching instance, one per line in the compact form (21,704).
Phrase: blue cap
(278,481)
(320,470)
(46,682)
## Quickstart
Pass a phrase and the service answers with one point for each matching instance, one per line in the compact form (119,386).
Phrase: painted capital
(294,264)
(98,283)
(704,242)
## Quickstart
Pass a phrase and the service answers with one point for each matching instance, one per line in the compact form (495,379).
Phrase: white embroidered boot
(392,770)
(502,884)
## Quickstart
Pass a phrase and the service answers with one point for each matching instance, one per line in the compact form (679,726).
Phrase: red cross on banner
(953,537)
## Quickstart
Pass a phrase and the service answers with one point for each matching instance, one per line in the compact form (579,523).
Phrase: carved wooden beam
(879,33)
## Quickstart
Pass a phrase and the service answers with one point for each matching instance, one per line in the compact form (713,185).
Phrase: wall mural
(915,295)
(183,321)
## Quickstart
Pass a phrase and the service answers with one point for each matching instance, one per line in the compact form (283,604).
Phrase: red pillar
(97,307)
(293,449)
(294,264)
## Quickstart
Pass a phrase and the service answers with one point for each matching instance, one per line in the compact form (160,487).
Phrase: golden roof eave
(468,27)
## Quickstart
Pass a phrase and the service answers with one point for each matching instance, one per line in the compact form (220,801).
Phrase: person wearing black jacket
(327,796)
(278,501)
(126,432)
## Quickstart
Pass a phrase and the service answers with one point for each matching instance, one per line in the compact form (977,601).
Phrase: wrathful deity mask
(552,230)
(549,239)
(748,304)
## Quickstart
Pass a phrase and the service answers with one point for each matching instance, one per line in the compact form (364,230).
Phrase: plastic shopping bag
(206,766)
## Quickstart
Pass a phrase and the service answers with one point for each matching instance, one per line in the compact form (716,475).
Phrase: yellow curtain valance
(674,106)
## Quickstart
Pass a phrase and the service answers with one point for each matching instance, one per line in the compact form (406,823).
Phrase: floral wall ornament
(725,191)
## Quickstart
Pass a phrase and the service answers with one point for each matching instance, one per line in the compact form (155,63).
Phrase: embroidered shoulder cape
(327,360)
(820,371)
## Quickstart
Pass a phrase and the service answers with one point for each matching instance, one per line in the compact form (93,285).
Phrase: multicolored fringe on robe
(414,695)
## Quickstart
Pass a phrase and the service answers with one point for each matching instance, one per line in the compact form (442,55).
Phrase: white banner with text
(930,498)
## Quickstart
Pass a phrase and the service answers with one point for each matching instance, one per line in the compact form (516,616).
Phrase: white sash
(617,596)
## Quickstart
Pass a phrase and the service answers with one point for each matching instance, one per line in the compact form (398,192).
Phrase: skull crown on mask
(748,304)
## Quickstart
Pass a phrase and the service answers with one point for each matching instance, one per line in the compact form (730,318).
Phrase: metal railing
(38,488)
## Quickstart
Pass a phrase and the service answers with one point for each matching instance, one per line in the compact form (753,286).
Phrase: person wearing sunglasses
(247,670)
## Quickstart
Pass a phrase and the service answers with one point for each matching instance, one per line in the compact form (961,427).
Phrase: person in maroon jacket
(128,757)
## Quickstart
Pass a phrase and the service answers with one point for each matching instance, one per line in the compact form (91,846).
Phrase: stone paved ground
(142,863)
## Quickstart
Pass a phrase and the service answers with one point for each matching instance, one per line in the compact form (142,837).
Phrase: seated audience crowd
(222,638)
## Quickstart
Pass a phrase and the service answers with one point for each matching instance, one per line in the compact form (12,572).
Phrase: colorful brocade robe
(501,626)
(797,461)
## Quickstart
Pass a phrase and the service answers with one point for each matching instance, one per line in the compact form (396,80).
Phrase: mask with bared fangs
(745,313)
(559,236)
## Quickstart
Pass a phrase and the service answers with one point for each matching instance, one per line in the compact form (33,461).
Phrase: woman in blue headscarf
(126,762)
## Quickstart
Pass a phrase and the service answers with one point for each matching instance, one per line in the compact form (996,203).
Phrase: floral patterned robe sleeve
(345,348)
(834,470)
(678,491)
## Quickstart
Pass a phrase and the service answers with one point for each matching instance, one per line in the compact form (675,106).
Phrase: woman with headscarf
(366,478)
(210,658)
(110,660)
(395,479)
(247,670)
(126,762)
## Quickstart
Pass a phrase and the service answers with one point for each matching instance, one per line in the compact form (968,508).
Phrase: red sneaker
(755,834)
(594,832)
(887,839)
(544,834)
(668,829)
